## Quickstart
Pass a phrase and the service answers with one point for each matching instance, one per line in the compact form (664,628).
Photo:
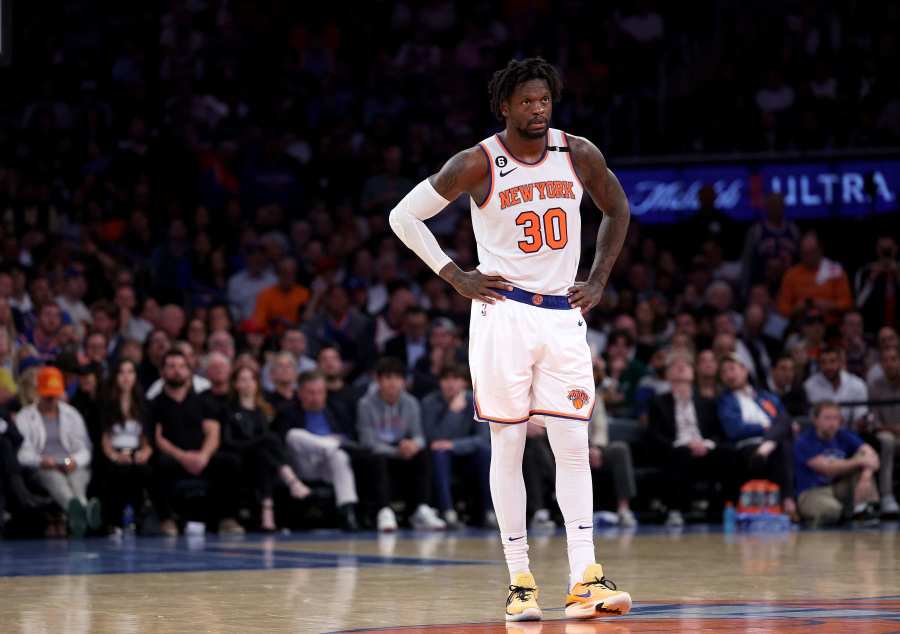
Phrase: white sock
(574,492)
(508,493)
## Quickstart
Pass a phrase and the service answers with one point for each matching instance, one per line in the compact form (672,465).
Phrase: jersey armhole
(565,140)
(487,157)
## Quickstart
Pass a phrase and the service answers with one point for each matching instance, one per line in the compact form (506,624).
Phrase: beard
(531,134)
(176,382)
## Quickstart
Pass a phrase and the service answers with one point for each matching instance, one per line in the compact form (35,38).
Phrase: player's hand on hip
(585,295)
(476,285)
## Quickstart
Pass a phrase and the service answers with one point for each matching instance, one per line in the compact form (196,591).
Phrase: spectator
(389,424)
(834,383)
(57,448)
(757,426)
(887,424)
(342,398)
(815,281)
(284,373)
(853,341)
(458,444)
(652,384)
(613,458)
(887,338)
(625,371)
(278,306)
(785,385)
(261,451)
(223,343)
(759,346)
(131,324)
(196,333)
(878,284)
(155,348)
(12,482)
(105,320)
(199,384)
(812,334)
(172,320)
(218,373)
(71,300)
(687,438)
(383,189)
(87,400)
(126,450)
(411,344)
(219,319)
(444,346)
(835,470)
(341,324)
(707,374)
(774,324)
(45,336)
(772,237)
(253,338)
(293,341)
(389,323)
(187,438)
(245,286)
(317,446)
(95,350)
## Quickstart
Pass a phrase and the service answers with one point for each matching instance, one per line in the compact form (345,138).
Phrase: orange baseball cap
(50,382)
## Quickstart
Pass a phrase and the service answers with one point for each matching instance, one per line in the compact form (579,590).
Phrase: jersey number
(555,233)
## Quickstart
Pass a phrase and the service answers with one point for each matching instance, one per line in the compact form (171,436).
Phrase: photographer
(877,285)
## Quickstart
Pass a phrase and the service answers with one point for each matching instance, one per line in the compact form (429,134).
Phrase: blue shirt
(317,423)
(808,445)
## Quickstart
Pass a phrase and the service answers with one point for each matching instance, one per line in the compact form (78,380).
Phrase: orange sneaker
(595,595)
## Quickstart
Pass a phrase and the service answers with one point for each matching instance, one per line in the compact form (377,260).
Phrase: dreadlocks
(505,80)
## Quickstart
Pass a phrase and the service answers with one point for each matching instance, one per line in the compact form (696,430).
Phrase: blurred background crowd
(200,295)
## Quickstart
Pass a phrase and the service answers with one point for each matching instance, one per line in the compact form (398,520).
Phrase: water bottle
(128,519)
(729,519)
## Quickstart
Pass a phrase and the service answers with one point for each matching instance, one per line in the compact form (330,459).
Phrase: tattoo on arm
(460,174)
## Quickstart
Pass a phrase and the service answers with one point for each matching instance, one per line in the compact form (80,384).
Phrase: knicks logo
(578,397)
(769,406)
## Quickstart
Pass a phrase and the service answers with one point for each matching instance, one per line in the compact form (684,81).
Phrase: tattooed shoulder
(587,158)
(461,173)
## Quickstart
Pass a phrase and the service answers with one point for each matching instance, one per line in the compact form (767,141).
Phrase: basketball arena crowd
(204,316)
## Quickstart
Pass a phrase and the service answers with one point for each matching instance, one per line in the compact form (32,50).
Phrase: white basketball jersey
(528,229)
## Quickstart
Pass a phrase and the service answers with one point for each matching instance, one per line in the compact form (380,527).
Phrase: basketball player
(527,349)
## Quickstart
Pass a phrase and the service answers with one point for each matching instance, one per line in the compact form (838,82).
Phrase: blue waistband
(554,302)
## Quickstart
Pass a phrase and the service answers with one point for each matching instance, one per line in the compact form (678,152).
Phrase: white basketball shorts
(529,362)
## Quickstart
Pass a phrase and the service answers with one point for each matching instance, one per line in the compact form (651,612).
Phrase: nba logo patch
(578,397)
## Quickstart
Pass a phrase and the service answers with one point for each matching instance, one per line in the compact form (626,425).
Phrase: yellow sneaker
(522,602)
(596,596)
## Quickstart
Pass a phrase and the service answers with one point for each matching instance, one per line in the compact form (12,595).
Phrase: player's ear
(504,108)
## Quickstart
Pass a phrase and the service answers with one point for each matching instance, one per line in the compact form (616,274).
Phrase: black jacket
(663,430)
(291,416)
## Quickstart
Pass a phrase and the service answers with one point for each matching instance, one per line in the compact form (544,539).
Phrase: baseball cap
(50,382)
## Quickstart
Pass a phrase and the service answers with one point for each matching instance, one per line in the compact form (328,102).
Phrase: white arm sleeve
(406,219)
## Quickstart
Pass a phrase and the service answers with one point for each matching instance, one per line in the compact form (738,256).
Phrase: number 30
(555,231)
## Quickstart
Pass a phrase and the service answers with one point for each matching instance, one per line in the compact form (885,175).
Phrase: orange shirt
(275,306)
(800,283)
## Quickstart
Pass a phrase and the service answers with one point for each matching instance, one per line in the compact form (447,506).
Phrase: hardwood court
(699,580)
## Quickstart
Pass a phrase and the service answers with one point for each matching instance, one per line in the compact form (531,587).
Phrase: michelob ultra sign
(843,188)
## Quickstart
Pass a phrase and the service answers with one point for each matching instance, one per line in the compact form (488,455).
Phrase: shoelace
(606,583)
(520,592)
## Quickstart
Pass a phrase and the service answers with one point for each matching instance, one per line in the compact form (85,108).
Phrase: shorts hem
(552,414)
(503,421)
